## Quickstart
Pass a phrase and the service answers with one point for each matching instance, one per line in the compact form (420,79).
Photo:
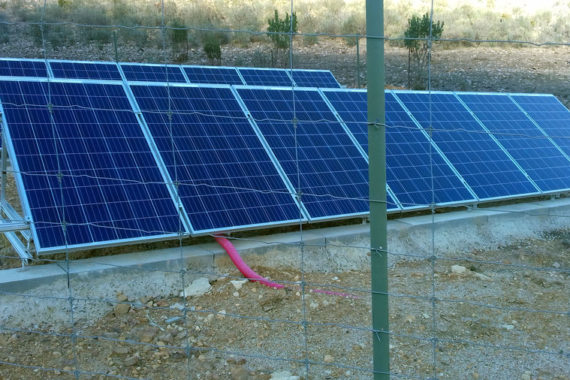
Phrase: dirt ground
(504,317)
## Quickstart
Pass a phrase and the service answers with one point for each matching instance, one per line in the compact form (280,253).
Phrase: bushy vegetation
(279,31)
(472,21)
(136,22)
(420,34)
(213,49)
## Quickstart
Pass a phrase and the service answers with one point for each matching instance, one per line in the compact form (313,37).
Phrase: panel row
(115,163)
(137,72)
(451,147)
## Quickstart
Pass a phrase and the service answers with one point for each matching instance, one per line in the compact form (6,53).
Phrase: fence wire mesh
(475,293)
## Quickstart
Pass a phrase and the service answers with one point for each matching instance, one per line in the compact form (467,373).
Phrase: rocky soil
(499,314)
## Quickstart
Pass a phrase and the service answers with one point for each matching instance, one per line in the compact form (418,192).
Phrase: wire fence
(474,293)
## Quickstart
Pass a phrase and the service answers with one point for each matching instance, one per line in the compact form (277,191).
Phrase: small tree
(418,41)
(213,49)
(279,31)
(178,34)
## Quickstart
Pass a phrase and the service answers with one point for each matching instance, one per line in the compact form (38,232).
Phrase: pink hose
(242,266)
(251,275)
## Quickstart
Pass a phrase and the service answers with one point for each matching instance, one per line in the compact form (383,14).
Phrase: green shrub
(178,35)
(279,31)
(418,37)
(213,49)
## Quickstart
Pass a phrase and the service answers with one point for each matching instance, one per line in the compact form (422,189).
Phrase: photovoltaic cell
(542,161)
(23,68)
(212,75)
(315,152)
(478,159)
(152,73)
(110,188)
(226,177)
(415,172)
(265,77)
(314,78)
(85,70)
(550,115)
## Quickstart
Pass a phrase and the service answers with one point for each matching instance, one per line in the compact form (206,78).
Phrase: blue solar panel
(550,115)
(478,159)
(226,177)
(213,75)
(266,77)
(317,155)
(23,68)
(413,168)
(543,162)
(152,73)
(111,188)
(85,70)
(315,78)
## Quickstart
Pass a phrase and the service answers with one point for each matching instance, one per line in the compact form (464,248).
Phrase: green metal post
(357,61)
(377,178)
(4,166)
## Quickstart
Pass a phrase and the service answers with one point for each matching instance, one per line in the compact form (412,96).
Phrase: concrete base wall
(40,294)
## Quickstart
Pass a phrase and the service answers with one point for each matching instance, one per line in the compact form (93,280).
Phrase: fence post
(377,179)
(357,37)
(4,165)
(115,46)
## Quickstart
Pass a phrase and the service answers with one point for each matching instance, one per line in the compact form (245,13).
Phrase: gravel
(491,321)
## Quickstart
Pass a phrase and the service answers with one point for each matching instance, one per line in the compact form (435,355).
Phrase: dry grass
(246,21)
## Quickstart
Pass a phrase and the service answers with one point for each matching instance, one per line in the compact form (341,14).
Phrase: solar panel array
(317,156)
(140,72)
(109,153)
(213,75)
(23,68)
(415,171)
(484,165)
(549,115)
(84,164)
(536,154)
(152,73)
(226,178)
(85,70)
(314,78)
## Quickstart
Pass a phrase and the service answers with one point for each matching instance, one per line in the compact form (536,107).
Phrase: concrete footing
(328,249)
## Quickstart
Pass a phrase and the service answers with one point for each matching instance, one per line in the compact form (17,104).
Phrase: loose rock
(459,269)
(481,276)
(198,287)
(122,350)
(283,375)
(122,298)
(239,373)
(238,283)
(131,360)
(165,337)
(122,308)
(148,334)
